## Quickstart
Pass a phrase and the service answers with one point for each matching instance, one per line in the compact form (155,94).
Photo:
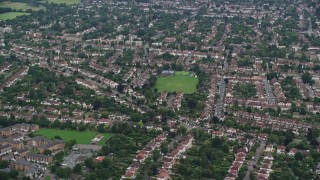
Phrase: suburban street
(254,161)
(269,92)
(219,106)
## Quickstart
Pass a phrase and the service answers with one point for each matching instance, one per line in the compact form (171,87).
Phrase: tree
(64,172)
(140,124)
(215,120)
(4,164)
(70,144)
(182,169)
(47,152)
(164,148)
(216,142)
(97,104)
(77,169)
(90,164)
(120,88)
(229,123)
(91,176)
(182,130)
(106,163)
(154,168)
(272,75)
(101,128)
(298,156)
(226,80)
(156,155)
(307,78)
(13,173)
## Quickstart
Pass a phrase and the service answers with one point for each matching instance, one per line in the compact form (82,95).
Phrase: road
(219,105)
(269,92)
(254,162)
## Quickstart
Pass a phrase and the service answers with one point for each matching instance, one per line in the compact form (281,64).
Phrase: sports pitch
(180,82)
(81,137)
(11,15)
(68,2)
(20,6)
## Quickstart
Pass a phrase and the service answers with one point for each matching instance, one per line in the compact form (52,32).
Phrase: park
(24,8)
(180,81)
(69,2)
(11,15)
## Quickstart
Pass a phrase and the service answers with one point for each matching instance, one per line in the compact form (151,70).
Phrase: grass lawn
(68,2)
(182,73)
(82,137)
(177,83)
(47,178)
(20,6)
(106,137)
(11,15)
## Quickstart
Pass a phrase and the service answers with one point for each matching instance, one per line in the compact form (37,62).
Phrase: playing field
(68,2)
(11,15)
(20,6)
(81,137)
(183,73)
(177,83)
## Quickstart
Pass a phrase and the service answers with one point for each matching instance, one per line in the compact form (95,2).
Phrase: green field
(81,137)
(11,15)
(20,6)
(68,2)
(177,83)
(183,73)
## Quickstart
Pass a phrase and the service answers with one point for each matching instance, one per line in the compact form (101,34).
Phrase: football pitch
(20,6)
(11,15)
(180,82)
(81,137)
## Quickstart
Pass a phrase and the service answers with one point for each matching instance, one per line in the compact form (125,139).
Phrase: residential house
(39,158)
(5,149)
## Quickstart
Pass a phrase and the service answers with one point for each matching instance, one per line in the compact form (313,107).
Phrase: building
(5,149)
(39,158)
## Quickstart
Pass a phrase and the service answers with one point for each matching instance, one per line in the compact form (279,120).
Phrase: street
(254,162)
(219,106)
(269,92)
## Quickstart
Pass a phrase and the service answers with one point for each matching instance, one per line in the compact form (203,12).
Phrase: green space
(120,149)
(20,6)
(299,166)
(106,137)
(68,2)
(183,73)
(81,137)
(290,89)
(11,15)
(208,158)
(47,178)
(245,90)
(182,81)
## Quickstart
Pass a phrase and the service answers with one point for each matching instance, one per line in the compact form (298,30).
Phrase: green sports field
(20,6)
(177,83)
(81,137)
(11,15)
(68,2)
(183,73)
